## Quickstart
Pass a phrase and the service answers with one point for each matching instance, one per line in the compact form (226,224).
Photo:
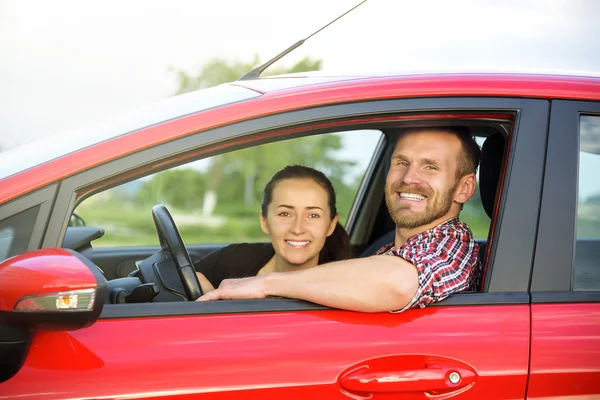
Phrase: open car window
(473,212)
(217,199)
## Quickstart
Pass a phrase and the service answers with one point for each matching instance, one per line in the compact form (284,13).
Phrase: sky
(69,62)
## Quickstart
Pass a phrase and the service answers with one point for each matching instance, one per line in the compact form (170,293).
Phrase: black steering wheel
(170,240)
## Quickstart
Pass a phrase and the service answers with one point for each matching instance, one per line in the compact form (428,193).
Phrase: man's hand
(370,284)
(231,289)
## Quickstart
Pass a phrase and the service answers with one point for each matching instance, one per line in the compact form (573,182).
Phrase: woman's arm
(204,283)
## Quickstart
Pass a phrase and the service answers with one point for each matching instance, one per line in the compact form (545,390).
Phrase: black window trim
(42,198)
(551,281)
(171,309)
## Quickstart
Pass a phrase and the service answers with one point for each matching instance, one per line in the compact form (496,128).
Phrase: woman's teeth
(297,243)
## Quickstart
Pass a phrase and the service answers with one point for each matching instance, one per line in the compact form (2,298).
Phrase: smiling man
(431,175)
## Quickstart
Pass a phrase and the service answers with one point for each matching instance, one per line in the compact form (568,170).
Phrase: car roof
(242,100)
(306,79)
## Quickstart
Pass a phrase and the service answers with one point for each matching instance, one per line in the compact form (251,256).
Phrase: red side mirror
(54,289)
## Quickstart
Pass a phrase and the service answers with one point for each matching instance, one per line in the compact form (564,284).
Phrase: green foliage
(127,224)
(181,188)
(251,168)
(219,71)
(475,216)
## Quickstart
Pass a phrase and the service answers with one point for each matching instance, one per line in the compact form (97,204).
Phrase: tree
(219,71)
(180,188)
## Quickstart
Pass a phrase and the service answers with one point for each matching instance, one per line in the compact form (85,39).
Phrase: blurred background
(66,63)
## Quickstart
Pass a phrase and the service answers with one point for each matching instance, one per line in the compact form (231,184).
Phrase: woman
(298,212)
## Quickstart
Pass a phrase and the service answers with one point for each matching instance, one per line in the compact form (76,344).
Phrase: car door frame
(554,256)
(565,323)
(510,257)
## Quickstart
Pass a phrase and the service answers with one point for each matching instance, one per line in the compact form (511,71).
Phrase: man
(431,175)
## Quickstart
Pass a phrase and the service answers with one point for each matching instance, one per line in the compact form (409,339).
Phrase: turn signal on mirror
(75,300)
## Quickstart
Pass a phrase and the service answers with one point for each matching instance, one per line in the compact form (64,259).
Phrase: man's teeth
(297,243)
(412,196)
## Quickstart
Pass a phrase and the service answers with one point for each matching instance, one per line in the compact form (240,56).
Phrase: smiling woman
(299,213)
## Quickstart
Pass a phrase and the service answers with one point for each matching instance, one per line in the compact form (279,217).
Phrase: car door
(565,288)
(470,346)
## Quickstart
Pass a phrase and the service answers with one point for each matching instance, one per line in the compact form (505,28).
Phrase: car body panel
(236,355)
(285,348)
(565,350)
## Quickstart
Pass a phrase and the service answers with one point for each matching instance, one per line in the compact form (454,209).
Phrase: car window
(15,232)
(217,200)
(587,248)
(473,213)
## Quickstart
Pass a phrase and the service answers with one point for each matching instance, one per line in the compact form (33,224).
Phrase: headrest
(490,167)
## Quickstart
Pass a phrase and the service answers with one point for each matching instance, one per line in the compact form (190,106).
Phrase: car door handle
(434,377)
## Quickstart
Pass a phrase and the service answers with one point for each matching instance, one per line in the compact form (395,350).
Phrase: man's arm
(371,284)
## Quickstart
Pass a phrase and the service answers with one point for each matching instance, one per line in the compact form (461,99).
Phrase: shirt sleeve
(208,266)
(445,262)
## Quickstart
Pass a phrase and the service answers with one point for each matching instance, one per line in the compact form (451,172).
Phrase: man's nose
(412,175)
(298,225)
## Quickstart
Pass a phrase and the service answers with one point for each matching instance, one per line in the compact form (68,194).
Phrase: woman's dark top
(238,260)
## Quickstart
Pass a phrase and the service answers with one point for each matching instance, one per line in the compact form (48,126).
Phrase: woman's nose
(298,225)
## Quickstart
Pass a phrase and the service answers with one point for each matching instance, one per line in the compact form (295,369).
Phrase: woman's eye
(314,216)
(284,214)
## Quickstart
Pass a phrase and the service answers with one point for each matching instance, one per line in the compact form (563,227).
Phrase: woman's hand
(244,288)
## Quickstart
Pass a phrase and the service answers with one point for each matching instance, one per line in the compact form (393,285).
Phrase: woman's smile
(298,243)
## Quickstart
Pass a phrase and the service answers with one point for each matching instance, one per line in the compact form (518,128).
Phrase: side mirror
(51,289)
(76,220)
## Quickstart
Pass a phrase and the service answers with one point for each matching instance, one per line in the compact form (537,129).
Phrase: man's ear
(263,223)
(332,226)
(465,188)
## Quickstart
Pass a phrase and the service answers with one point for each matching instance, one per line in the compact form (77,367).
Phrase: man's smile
(411,196)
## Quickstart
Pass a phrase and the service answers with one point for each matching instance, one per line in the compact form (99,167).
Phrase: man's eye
(403,163)
(431,167)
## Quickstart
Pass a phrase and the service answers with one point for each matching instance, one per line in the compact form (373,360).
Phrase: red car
(532,330)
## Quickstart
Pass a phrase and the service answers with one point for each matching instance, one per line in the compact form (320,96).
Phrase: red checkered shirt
(446,257)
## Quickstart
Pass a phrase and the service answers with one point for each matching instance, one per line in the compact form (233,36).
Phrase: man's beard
(437,205)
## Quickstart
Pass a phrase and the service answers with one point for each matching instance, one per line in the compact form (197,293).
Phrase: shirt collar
(417,236)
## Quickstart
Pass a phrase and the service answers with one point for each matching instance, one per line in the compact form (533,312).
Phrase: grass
(130,225)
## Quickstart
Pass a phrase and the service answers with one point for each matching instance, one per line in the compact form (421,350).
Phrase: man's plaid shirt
(446,257)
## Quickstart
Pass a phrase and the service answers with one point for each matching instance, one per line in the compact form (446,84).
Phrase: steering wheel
(170,240)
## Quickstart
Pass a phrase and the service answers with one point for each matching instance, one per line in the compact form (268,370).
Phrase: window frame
(552,275)
(42,198)
(366,159)
(510,257)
